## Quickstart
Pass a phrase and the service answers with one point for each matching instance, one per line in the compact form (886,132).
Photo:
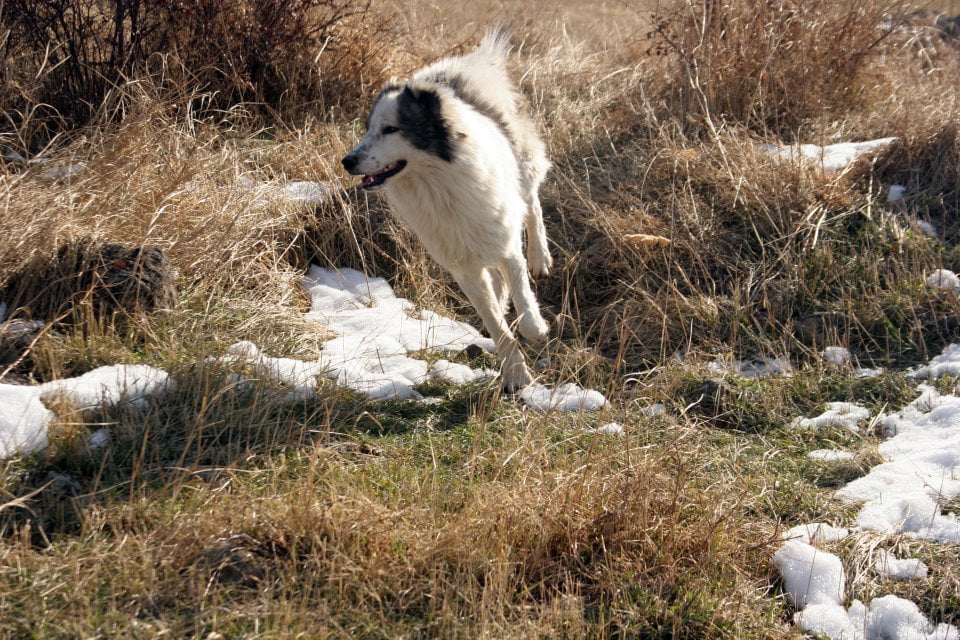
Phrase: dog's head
(408,129)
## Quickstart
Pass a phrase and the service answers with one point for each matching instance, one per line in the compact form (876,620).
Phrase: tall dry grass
(223,510)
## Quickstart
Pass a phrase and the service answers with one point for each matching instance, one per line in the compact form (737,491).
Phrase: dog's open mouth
(374,180)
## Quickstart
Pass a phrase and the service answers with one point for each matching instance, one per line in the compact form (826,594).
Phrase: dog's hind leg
(538,253)
(478,285)
(530,322)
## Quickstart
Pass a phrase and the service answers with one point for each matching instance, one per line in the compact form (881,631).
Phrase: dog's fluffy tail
(495,45)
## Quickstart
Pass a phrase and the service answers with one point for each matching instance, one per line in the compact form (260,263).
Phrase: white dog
(462,164)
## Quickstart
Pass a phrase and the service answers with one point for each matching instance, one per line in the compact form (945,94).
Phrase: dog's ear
(421,116)
(422,100)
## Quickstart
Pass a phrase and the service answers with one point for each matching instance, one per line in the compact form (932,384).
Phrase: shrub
(771,65)
(68,54)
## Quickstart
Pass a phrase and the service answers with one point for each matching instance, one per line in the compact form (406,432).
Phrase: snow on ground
(887,618)
(302,192)
(830,455)
(945,364)
(458,373)
(377,332)
(657,409)
(751,369)
(896,192)
(306,192)
(837,356)
(816,532)
(24,418)
(566,397)
(943,279)
(888,565)
(350,303)
(922,470)
(378,329)
(127,383)
(814,582)
(925,228)
(838,414)
(831,158)
(810,576)
(609,429)
(841,358)
(903,495)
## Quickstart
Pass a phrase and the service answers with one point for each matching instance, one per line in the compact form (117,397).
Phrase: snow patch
(98,439)
(376,331)
(654,410)
(306,192)
(926,228)
(922,470)
(458,373)
(816,532)
(887,564)
(887,618)
(751,369)
(838,414)
(896,192)
(609,429)
(23,421)
(831,158)
(810,576)
(830,455)
(947,363)
(837,356)
(943,279)
(111,385)
(566,397)
(903,495)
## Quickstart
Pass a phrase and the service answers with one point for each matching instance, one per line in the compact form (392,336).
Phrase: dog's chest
(456,227)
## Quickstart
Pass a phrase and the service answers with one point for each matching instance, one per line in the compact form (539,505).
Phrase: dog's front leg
(478,286)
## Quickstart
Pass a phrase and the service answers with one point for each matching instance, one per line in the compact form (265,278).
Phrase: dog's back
(480,79)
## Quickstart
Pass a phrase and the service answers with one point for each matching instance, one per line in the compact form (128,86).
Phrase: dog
(461,164)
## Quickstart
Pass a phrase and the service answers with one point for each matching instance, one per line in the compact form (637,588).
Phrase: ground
(224,507)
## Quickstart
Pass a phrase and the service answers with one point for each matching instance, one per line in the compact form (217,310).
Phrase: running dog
(461,164)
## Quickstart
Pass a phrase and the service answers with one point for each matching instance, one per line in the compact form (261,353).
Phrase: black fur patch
(460,90)
(421,121)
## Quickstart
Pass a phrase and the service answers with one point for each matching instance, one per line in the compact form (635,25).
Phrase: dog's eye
(389,129)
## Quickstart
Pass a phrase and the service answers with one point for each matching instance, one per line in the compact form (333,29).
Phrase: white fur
(470,212)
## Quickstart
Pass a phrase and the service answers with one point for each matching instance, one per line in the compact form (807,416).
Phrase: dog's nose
(350,162)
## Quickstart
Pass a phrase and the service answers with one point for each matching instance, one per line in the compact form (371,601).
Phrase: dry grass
(224,510)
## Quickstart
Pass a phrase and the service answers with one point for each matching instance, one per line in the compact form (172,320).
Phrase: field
(229,507)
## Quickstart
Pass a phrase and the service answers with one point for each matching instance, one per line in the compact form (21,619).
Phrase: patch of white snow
(566,397)
(111,385)
(838,414)
(887,564)
(609,429)
(23,421)
(810,576)
(830,455)
(942,279)
(831,158)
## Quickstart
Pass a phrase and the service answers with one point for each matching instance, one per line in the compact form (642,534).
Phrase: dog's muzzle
(350,162)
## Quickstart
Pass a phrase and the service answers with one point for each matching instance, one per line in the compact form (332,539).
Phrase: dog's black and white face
(404,123)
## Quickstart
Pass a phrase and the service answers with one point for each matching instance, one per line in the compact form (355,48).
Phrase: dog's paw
(515,379)
(533,327)
(539,261)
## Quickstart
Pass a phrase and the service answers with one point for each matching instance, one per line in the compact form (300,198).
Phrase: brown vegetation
(222,510)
